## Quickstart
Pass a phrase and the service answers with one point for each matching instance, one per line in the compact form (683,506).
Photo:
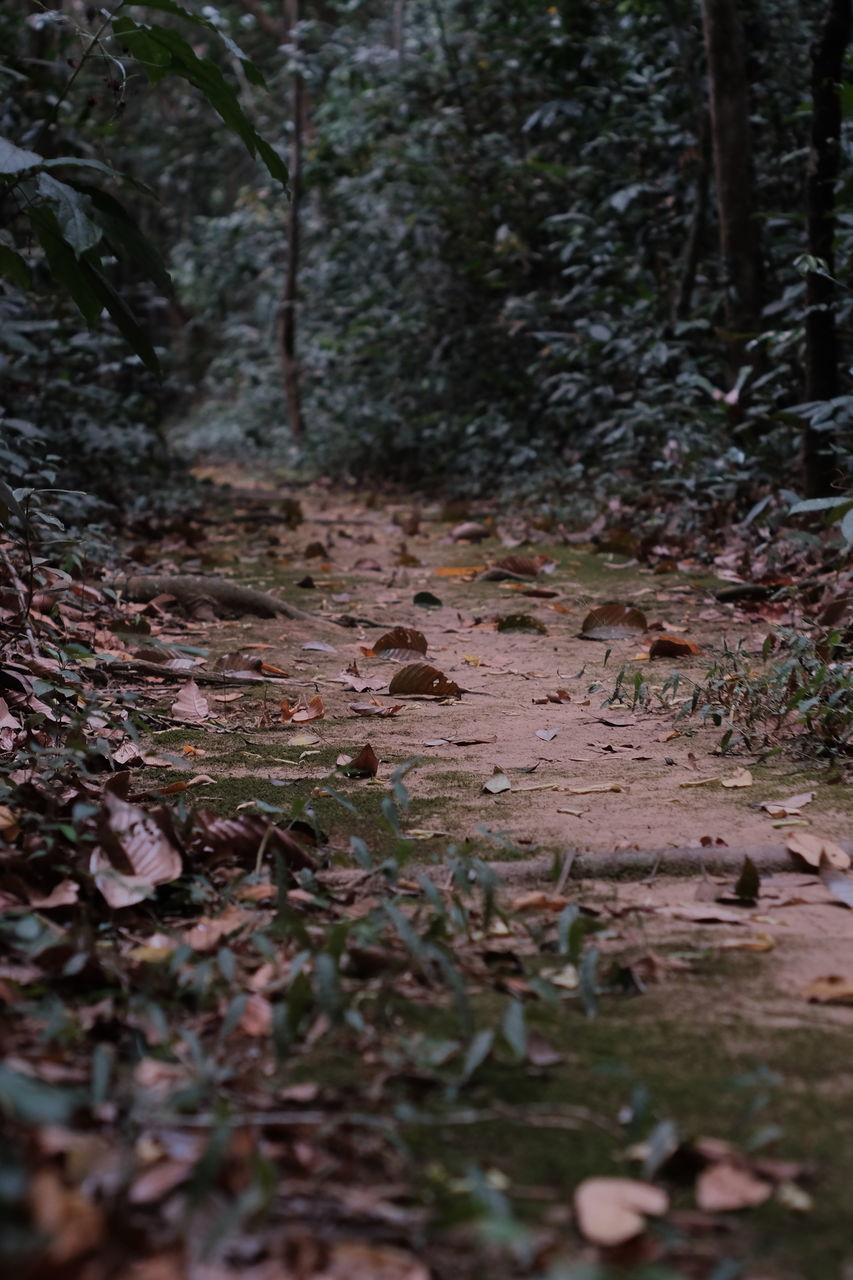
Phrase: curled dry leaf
(790,807)
(497,783)
(301,712)
(812,848)
(400,643)
(832,989)
(740,778)
(470,531)
(672,647)
(838,884)
(134,855)
(613,622)
(375,708)
(610,1211)
(364,765)
(539,900)
(421,678)
(191,704)
(726,1185)
(240,838)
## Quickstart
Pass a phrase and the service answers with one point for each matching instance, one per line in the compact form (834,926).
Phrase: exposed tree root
(621,864)
(193,590)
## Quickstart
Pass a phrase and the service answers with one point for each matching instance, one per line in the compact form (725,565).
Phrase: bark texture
(728,90)
(822,356)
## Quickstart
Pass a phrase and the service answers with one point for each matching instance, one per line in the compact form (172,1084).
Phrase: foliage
(796,693)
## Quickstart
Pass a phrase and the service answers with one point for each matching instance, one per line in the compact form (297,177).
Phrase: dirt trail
(581,775)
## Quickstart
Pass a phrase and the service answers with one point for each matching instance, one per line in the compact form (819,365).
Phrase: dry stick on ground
(188,588)
(138,666)
(621,864)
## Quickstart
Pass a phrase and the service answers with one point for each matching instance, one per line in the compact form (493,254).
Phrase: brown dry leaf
(540,1053)
(458,571)
(497,783)
(832,989)
(740,778)
(239,839)
(158,1180)
(727,1184)
(364,765)
(790,807)
(146,857)
(375,708)
(812,848)
(210,930)
(421,678)
(610,1211)
(460,742)
(522,566)
(400,643)
(64,894)
(191,704)
(257,1016)
(838,884)
(175,788)
(470,531)
(672,647)
(363,1260)
(71,1224)
(539,900)
(701,914)
(613,622)
(302,712)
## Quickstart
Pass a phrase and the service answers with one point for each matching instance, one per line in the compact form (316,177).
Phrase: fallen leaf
(612,622)
(191,703)
(672,647)
(364,765)
(421,678)
(301,713)
(832,989)
(319,646)
(610,1211)
(376,708)
(790,807)
(740,778)
(701,914)
(748,885)
(812,848)
(470,531)
(256,1019)
(426,600)
(727,1185)
(700,782)
(547,735)
(497,783)
(540,1053)
(401,644)
(574,813)
(540,900)
(521,622)
(836,882)
(758,942)
(209,931)
(131,838)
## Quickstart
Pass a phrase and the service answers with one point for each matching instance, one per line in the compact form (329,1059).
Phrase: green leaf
(821,504)
(847,527)
(13,267)
(515,1030)
(72,211)
(253,75)
(123,234)
(33,1102)
(125,321)
(83,162)
(15,160)
(478,1050)
(65,267)
(162,51)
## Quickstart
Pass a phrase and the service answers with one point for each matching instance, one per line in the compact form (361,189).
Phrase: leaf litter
(294,963)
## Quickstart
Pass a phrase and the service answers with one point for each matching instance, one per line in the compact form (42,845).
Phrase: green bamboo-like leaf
(13,266)
(161,51)
(515,1030)
(125,237)
(125,321)
(65,267)
(253,74)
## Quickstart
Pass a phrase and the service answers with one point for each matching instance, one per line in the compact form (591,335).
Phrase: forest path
(536,766)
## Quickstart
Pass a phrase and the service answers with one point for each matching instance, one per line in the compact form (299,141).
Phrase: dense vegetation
(508,269)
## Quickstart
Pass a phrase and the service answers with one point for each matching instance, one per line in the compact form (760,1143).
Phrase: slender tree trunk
(698,223)
(730,134)
(822,380)
(287,308)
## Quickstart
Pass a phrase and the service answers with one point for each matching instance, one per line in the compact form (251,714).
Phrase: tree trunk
(730,132)
(287,309)
(822,380)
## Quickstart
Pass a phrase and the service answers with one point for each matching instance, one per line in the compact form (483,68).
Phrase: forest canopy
(553,249)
